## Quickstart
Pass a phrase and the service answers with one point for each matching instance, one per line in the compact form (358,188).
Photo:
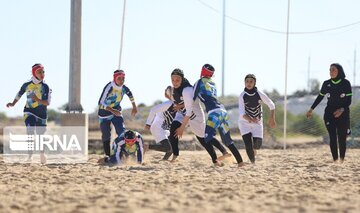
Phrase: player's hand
(272,123)
(178,107)
(309,113)
(179,132)
(147,127)
(116,112)
(338,112)
(10,105)
(34,97)
(134,111)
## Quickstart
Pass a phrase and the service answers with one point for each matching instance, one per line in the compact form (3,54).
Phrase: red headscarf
(35,68)
(118,73)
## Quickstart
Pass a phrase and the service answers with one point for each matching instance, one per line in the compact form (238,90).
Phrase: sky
(161,35)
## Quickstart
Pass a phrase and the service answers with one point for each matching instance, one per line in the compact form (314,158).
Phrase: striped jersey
(111,96)
(166,111)
(250,103)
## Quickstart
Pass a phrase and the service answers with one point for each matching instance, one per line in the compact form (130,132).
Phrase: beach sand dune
(295,180)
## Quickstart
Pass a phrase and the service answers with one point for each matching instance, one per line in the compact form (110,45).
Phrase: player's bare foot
(174,159)
(42,158)
(241,164)
(225,155)
(219,164)
(101,160)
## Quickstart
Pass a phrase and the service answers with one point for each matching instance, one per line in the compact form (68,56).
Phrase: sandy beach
(295,180)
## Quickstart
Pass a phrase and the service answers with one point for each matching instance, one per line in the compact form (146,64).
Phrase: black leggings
(209,148)
(174,141)
(163,146)
(337,129)
(251,144)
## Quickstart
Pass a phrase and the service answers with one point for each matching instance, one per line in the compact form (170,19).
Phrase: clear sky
(161,35)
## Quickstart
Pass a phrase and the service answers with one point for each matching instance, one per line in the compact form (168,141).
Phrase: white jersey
(194,110)
(160,119)
(250,104)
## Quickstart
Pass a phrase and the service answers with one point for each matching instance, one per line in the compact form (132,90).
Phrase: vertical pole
(122,33)
(308,77)
(286,72)
(74,104)
(223,51)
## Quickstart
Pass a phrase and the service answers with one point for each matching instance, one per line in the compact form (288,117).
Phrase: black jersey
(338,94)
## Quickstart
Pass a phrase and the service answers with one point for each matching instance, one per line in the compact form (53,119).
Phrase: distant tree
(314,87)
(141,105)
(53,115)
(300,93)
(273,95)
(157,102)
(3,116)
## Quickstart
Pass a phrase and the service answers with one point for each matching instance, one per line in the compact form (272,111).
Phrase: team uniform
(339,95)
(252,132)
(217,119)
(250,104)
(205,90)
(112,96)
(193,110)
(160,118)
(35,113)
(123,150)
(183,95)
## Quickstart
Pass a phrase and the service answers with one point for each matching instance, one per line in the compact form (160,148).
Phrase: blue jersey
(42,91)
(121,149)
(205,90)
(111,96)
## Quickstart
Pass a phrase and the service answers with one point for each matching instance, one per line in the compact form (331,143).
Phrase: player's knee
(257,143)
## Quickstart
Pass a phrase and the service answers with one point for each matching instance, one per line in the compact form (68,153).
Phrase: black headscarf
(341,73)
(184,83)
(254,89)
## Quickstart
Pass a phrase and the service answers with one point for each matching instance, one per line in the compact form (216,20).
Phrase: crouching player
(128,146)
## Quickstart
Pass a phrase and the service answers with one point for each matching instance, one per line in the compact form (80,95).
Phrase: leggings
(337,129)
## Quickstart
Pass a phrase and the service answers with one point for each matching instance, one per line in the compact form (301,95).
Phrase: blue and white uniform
(205,90)
(35,113)
(112,96)
(123,150)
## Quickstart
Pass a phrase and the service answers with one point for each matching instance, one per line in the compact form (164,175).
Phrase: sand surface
(295,180)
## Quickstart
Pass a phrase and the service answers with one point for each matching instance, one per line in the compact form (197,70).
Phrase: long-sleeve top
(205,90)
(250,103)
(164,110)
(338,94)
(121,149)
(111,96)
